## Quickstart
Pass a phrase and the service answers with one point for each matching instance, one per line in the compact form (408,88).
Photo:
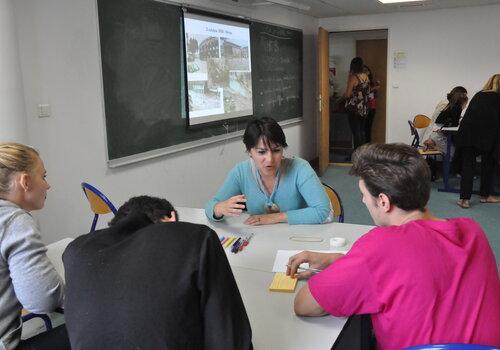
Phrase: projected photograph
(198,49)
(201,97)
(218,69)
(235,53)
(218,74)
(238,95)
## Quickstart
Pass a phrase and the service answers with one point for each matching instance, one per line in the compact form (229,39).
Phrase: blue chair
(337,207)
(45,318)
(99,203)
(452,346)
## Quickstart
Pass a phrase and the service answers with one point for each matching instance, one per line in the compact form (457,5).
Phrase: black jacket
(480,127)
(139,285)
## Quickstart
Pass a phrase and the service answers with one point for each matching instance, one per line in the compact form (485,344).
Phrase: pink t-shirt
(422,282)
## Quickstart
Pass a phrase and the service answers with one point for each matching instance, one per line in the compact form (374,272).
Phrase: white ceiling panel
(335,8)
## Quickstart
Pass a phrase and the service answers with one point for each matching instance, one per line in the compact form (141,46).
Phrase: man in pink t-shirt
(423,279)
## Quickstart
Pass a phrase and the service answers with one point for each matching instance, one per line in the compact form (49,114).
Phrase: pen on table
(239,246)
(310,269)
(221,238)
(245,242)
(224,240)
(234,247)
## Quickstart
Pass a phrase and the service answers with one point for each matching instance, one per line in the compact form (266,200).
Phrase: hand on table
(230,207)
(318,261)
(266,219)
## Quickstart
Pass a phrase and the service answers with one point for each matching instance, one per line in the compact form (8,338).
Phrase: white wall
(342,50)
(12,113)
(444,48)
(60,65)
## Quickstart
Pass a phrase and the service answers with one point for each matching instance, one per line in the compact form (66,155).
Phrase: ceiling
(335,8)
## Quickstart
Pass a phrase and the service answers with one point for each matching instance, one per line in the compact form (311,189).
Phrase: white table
(274,324)
(54,253)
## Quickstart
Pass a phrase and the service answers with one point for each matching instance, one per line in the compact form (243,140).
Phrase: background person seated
(152,282)
(446,114)
(423,279)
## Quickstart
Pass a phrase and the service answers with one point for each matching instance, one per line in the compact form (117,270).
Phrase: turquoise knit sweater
(300,193)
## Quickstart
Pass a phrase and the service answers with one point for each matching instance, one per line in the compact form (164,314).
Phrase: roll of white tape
(337,242)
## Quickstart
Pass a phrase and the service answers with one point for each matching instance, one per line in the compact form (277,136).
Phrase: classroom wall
(342,50)
(60,63)
(444,48)
(12,113)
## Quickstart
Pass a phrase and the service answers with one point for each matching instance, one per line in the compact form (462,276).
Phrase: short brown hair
(395,169)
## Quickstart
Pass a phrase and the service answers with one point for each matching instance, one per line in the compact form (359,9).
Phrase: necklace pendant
(272,208)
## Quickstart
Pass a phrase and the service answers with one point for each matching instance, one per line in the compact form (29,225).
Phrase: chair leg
(94,223)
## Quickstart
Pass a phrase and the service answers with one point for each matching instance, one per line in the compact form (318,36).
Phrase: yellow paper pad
(283,283)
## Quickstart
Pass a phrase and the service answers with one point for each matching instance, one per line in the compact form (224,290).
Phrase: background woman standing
(356,105)
(479,134)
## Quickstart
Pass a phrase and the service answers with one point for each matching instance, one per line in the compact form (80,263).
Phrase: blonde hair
(15,157)
(493,83)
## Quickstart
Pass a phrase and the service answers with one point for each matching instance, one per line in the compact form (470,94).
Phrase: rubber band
(305,239)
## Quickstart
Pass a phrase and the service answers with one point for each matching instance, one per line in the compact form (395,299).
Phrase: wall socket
(43,110)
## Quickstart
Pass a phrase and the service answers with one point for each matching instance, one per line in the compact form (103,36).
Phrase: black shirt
(480,127)
(138,285)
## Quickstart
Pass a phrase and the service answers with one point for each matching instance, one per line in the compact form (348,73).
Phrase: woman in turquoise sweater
(271,187)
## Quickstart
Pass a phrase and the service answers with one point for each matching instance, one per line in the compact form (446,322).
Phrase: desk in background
(274,324)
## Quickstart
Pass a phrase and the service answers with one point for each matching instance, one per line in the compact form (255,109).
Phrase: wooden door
(323,101)
(374,55)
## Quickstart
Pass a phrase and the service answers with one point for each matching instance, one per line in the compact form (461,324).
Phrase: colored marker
(236,244)
(246,241)
(229,241)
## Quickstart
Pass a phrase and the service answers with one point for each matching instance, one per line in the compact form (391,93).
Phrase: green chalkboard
(141,68)
(143,79)
(276,71)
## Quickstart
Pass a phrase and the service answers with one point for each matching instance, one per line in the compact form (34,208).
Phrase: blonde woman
(27,277)
(479,134)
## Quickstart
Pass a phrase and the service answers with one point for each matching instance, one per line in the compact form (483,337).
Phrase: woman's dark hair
(368,72)
(395,169)
(457,97)
(154,208)
(356,65)
(267,129)
(457,90)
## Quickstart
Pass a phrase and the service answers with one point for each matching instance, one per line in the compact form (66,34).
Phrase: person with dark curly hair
(150,281)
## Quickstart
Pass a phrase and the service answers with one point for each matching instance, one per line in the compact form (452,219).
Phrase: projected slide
(218,69)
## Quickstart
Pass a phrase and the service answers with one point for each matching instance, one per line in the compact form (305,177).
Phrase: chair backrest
(452,346)
(421,121)
(418,125)
(338,209)
(99,203)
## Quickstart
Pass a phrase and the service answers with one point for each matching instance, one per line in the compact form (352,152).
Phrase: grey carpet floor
(441,204)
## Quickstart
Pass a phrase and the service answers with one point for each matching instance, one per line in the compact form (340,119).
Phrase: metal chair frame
(334,193)
(44,317)
(85,187)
